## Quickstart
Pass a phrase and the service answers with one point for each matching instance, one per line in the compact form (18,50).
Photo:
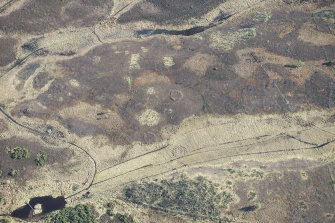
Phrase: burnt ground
(7,51)
(168,11)
(298,80)
(40,16)
(305,195)
(122,87)
(287,191)
(3,127)
(27,167)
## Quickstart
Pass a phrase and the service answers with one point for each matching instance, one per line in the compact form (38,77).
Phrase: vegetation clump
(251,195)
(117,217)
(262,16)
(327,16)
(41,158)
(19,153)
(198,198)
(229,40)
(14,173)
(244,174)
(78,214)
(4,221)
(120,218)
(302,206)
(110,208)
(109,212)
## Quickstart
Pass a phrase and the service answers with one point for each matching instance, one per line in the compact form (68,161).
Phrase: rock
(37,209)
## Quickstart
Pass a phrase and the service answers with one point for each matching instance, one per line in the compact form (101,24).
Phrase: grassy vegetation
(4,221)
(243,174)
(19,153)
(198,198)
(78,214)
(41,158)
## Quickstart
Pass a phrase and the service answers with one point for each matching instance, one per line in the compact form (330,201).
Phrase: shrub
(251,195)
(110,208)
(78,214)
(4,221)
(19,153)
(119,218)
(302,205)
(41,158)
(14,173)
(109,212)
(110,205)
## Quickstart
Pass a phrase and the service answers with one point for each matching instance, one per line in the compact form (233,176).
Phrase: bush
(110,208)
(109,212)
(110,205)
(41,158)
(78,214)
(251,195)
(14,173)
(4,221)
(19,153)
(119,218)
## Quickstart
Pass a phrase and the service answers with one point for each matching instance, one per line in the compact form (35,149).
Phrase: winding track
(39,133)
(172,163)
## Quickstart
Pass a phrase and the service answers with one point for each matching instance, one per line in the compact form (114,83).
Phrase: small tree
(41,158)
(14,173)
(19,153)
